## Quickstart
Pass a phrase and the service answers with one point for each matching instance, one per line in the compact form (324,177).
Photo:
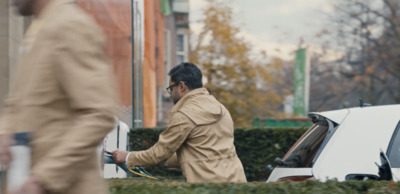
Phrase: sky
(275,26)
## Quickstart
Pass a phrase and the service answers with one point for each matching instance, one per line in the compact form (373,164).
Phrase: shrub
(257,148)
(128,186)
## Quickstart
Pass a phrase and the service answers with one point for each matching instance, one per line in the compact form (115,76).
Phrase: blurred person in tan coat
(63,92)
(200,132)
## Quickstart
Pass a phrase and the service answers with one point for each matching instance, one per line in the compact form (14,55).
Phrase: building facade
(146,38)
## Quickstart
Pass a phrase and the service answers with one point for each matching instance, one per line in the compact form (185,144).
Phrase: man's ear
(183,87)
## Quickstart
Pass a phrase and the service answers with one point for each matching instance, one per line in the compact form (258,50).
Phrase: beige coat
(201,134)
(64,93)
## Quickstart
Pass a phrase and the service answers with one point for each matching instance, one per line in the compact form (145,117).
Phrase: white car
(118,138)
(360,143)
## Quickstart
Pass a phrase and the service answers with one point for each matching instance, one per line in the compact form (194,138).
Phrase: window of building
(180,43)
(180,58)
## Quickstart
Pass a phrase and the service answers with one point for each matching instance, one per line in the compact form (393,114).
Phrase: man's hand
(119,156)
(31,186)
(6,141)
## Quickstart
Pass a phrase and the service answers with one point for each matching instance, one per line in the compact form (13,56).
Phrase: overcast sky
(274,25)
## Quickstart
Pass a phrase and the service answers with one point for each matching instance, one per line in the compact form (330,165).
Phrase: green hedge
(257,148)
(128,186)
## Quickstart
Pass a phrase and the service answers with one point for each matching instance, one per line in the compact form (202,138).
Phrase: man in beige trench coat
(200,132)
(63,92)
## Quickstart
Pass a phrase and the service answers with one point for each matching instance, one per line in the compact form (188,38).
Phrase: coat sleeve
(85,76)
(168,143)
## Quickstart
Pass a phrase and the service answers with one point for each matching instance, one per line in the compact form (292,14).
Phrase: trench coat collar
(191,94)
(52,8)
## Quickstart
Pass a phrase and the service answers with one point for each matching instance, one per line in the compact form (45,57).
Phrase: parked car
(361,143)
(118,138)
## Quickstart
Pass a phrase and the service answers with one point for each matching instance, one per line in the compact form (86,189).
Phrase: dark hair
(188,73)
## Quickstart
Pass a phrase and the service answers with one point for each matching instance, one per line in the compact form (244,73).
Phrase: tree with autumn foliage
(246,84)
(369,32)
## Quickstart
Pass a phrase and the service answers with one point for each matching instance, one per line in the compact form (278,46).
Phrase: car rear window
(307,147)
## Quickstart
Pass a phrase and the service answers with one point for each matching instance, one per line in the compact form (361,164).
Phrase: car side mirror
(385,169)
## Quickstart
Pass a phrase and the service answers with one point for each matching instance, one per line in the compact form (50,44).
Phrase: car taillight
(297,178)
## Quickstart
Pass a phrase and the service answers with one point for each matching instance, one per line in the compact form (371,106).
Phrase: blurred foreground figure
(64,94)
(200,132)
